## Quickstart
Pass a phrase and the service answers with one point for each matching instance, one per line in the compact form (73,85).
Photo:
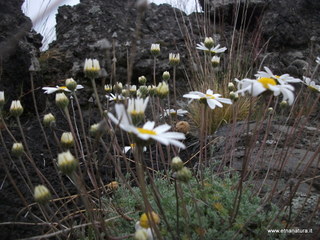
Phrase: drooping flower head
(49,90)
(209,98)
(311,84)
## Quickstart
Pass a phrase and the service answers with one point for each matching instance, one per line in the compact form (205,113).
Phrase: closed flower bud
(49,120)
(215,60)
(183,127)
(144,219)
(184,174)
(133,90)
(166,76)
(108,88)
(162,89)
(67,140)
(155,49)
(17,149)
(174,59)
(143,91)
(91,68)
(117,88)
(16,108)
(125,93)
(71,84)
(152,90)
(176,163)
(61,100)
(142,80)
(208,42)
(94,129)
(234,96)
(2,99)
(283,104)
(231,86)
(67,163)
(270,110)
(141,234)
(41,194)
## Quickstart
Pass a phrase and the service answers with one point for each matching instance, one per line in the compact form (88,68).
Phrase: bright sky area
(42,13)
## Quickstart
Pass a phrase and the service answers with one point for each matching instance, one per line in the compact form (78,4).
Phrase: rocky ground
(289,28)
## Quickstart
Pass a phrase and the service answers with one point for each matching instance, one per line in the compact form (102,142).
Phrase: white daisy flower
(283,79)
(318,60)
(311,84)
(211,99)
(49,90)
(143,233)
(148,131)
(180,112)
(257,86)
(214,50)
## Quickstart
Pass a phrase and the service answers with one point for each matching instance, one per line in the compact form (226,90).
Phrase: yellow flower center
(132,145)
(146,131)
(210,96)
(63,87)
(266,81)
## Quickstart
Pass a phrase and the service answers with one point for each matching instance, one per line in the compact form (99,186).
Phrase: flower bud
(155,49)
(71,84)
(67,140)
(174,59)
(162,89)
(215,60)
(117,88)
(49,120)
(183,127)
(184,174)
(270,110)
(125,93)
(152,90)
(41,194)
(142,80)
(283,104)
(144,219)
(208,42)
(231,86)
(143,91)
(108,88)
(61,100)
(16,108)
(234,96)
(141,234)
(17,149)
(91,68)
(67,163)
(176,163)
(166,76)
(2,99)
(133,90)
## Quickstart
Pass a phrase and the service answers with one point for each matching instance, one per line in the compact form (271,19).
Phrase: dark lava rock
(291,29)
(19,49)
(89,29)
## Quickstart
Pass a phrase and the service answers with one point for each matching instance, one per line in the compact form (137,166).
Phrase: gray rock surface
(291,29)
(18,46)
(87,29)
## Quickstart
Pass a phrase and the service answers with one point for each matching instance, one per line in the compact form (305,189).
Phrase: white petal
(162,128)
(148,125)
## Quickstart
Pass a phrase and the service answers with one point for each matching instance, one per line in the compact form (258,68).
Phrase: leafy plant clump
(205,210)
